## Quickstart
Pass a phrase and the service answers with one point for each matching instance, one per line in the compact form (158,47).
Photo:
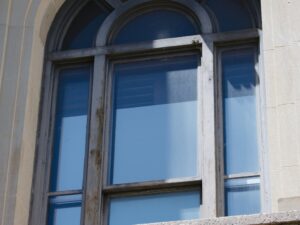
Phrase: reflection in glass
(70,129)
(157,24)
(239,108)
(64,210)
(154,208)
(242,196)
(85,26)
(227,12)
(155,120)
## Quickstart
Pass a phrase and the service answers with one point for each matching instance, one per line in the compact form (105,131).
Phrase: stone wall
(281,55)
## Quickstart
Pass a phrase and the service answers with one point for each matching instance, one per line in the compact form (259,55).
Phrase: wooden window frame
(95,188)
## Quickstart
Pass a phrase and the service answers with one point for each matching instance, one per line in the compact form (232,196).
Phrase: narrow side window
(69,146)
(241,156)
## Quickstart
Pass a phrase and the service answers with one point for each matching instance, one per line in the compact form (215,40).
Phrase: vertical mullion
(200,149)
(50,142)
(93,188)
(209,189)
(220,135)
(199,118)
(108,98)
(86,157)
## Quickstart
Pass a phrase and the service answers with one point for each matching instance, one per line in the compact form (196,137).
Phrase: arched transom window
(150,113)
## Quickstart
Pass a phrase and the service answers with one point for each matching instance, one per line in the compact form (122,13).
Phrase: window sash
(111,118)
(221,176)
(170,185)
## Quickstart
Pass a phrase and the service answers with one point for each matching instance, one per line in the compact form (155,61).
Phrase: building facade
(30,44)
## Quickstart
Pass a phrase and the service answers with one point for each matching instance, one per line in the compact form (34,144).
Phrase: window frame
(221,177)
(172,185)
(147,187)
(209,46)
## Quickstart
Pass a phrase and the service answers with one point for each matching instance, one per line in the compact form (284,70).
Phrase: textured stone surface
(287,218)
(281,62)
(286,204)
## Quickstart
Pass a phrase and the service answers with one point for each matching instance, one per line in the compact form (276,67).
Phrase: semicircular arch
(114,20)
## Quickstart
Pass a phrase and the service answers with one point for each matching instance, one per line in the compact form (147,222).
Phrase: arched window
(155,24)
(150,113)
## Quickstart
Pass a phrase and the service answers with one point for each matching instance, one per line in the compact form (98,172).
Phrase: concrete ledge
(285,218)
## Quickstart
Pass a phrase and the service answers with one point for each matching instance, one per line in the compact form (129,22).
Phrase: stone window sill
(283,218)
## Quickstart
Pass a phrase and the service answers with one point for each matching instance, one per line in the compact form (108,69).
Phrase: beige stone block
(32,13)
(46,12)
(18,12)
(296,73)
(7,111)
(275,189)
(3,172)
(294,19)
(289,204)
(290,181)
(289,55)
(4,11)
(36,51)
(281,29)
(283,73)
(273,156)
(273,140)
(30,125)
(10,195)
(267,24)
(288,134)
(297,121)
(8,85)
(47,19)
(270,82)
(288,73)
(2,47)
(20,74)
(25,59)
(2,36)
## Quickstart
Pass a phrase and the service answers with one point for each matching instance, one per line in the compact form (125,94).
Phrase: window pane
(154,25)
(239,108)
(154,208)
(84,27)
(242,196)
(155,125)
(64,210)
(70,129)
(227,12)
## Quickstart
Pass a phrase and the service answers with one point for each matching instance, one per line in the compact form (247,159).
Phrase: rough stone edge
(284,218)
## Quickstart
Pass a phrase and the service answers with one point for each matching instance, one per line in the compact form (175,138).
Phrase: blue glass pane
(155,125)
(154,208)
(70,129)
(239,108)
(64,210)
(154,25)
(242,196)
(231,14)
(84,27)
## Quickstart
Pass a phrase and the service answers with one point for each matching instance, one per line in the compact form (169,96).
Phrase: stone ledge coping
(284,218)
